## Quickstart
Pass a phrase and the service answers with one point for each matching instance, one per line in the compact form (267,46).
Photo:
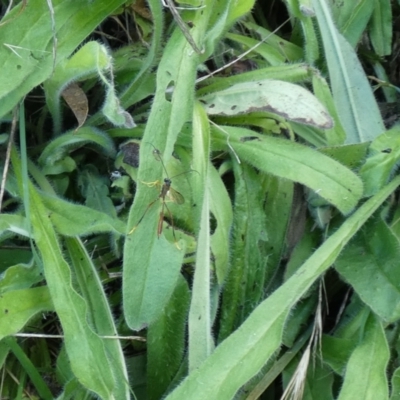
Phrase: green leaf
(143,80)
(26,53)
(335,135)
(350,155)
(354,100)
(76,220)
(331,180)
(17,307)
(278,210)
(244,287)
(395,384)
(384,154)
(352,18)
(143,250)
(94,188)
(240,357)
(18,276)
(366,370)
(381,27)
(99,312)
(221,208)
(369,264)
(165,342)
(200,343)
(283,98)
(290,50)
(83,346)
(337,352)
(272,55)
(155,275)
(66,143)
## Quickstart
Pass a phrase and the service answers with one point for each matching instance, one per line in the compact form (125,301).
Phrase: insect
(166,191)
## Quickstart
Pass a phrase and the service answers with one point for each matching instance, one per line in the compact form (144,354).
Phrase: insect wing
(175,196)
(157,154)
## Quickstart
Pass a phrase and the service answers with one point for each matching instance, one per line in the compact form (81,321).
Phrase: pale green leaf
(283,98)
(352,93)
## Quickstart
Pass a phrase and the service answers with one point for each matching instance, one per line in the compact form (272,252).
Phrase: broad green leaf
(381,27)
(238,9)
(283,98)
(19,276)
(290,50)
(274,56)
(59,167)
(26,53)
(350,155)
(352,93)
(240,357)
(301,235)
(17,307)
(352,17)
(177,70)
(337,352)
(366,370)
(83,346)
(353,320)
(94,188)
(76,220)
(369,265)
(153,278)
(14,223)
(99,312)
(331,180)
(384,154)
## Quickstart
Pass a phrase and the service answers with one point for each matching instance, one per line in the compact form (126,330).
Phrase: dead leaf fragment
(77,101)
